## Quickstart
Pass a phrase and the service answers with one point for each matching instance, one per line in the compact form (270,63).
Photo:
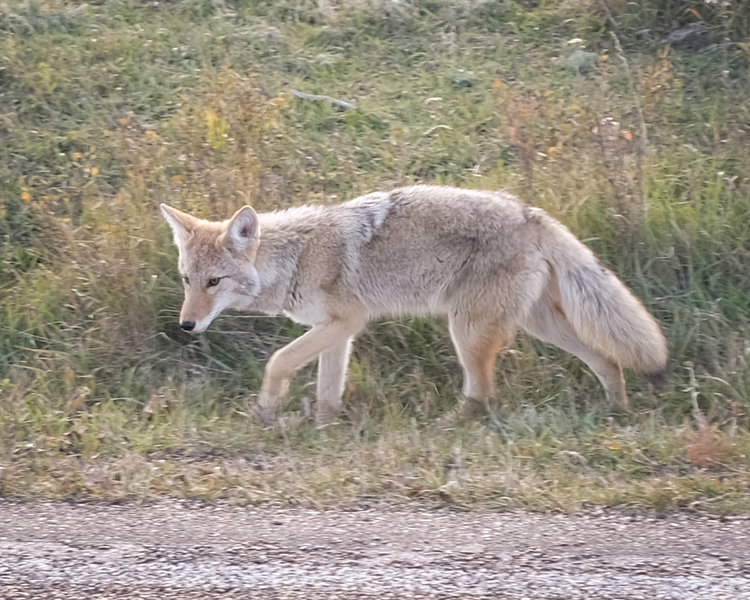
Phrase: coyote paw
(326,413)
(472,408)
(266,416)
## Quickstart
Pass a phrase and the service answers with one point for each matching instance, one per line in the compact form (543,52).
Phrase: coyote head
(216,263)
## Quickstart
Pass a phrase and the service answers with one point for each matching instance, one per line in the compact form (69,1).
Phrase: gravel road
(174,549)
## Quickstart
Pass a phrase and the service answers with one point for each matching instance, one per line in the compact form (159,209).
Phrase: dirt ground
(178,549)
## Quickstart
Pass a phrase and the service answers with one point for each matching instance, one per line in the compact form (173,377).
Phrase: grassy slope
(106,110)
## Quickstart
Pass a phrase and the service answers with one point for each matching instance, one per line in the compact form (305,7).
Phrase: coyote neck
(277,263)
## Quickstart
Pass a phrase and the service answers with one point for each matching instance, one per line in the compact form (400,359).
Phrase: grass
(578,107)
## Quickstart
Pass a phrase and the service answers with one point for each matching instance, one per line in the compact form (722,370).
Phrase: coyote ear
(182,224)
(243,230)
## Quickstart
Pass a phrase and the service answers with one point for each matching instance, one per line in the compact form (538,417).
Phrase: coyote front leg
(331,380)
(323,338)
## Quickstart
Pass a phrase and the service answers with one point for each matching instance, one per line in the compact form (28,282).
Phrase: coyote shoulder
(484,259)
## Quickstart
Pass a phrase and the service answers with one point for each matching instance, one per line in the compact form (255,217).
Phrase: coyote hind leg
(477,344)
(547,322)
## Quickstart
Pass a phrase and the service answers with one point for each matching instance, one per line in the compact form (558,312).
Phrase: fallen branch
(340,103)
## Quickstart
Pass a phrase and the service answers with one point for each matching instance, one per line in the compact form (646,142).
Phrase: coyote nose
(188,325)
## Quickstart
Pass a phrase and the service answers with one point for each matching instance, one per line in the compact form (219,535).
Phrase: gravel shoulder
(178,549)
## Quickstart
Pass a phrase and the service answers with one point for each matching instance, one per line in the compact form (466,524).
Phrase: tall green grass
(581,108)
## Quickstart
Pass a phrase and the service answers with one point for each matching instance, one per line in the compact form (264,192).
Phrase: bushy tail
(602,311)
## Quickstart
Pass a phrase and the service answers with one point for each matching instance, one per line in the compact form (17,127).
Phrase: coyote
(484,259)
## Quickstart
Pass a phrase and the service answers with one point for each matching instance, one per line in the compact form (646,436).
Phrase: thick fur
(490,263)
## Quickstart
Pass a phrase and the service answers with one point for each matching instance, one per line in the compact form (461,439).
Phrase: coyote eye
(186,279)
(213,281)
